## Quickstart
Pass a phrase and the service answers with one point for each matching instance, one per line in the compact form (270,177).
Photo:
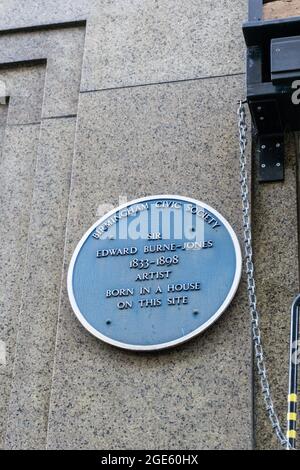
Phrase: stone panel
(133,42)
(27,13)
(24,87)
(16,186)
(34,96)
(158,139)
(276,255)
(19,139)
(62,49)
(29,402)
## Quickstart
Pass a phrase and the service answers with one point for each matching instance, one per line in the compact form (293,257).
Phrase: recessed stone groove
(44,27)
(22,63)
(186,80)
(70,116)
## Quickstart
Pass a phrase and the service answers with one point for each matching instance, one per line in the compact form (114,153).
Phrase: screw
(261,118)
(277,145)
(278,164)
(196,312)
(108,322)
(263,147)
(259,108)
(263,165)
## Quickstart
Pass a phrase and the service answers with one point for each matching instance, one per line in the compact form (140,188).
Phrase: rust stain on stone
(277,9)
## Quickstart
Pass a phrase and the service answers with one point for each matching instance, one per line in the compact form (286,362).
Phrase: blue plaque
(154,272)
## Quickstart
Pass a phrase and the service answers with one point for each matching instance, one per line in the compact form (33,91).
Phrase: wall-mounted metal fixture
(273,67)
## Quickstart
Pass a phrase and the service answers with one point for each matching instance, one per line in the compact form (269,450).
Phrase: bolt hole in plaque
(154,272)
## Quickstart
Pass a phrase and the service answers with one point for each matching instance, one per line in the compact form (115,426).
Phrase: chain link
(255,316)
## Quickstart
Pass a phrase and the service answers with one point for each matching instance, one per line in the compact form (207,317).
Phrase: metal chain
(255,316)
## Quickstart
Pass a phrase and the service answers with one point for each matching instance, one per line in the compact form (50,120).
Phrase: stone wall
(106,99)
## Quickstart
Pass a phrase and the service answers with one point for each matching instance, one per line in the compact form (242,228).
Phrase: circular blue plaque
(154,272)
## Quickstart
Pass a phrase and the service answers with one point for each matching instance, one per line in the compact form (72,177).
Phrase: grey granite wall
(276,253)
(106,99)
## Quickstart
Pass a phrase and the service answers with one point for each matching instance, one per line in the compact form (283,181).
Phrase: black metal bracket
(270,141)
(273,51)
(271,157)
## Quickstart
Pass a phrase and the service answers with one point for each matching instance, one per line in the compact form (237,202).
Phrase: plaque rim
(192,334)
